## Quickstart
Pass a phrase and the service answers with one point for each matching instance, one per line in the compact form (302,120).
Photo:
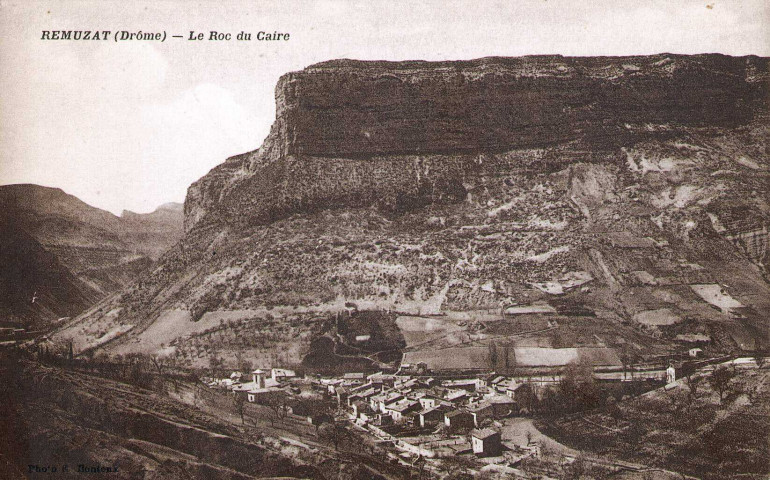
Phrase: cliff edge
(403,134)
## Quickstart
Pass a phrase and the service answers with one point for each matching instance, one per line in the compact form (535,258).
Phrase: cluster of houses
(425,415)
(422,415)
(263,384)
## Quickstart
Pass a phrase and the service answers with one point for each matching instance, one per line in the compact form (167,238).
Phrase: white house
(282,374)
(670,374)
(486,442)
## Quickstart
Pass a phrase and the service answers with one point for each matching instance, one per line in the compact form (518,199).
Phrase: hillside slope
(627,196)
(103,250)
(34,287)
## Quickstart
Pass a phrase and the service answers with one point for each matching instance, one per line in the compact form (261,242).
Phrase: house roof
(456,413)
(484,433)
(460,382)
(367,393)
(401,406)
(481,406)
(269,383)
(263,390)
(439,409)
(360,388)
(500,399)
(455,394)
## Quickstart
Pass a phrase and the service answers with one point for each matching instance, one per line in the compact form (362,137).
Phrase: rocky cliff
(593,188)
(400,134)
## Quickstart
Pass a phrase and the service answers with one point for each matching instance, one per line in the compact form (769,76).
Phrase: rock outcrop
(594,185)
(403,134)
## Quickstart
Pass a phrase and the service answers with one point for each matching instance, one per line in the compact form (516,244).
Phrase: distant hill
(35,287)
(153,233)
(102,251)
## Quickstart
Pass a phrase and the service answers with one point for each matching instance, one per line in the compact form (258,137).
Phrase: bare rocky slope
(102,251)
(630,194)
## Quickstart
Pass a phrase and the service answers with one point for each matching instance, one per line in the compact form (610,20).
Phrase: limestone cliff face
(403,134)
(606,187)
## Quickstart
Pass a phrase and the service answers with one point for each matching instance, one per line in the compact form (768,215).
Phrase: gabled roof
(500,399)
(481,406)
(455,413)
(484,433)
(367,393)
(455,394)
(263,390)
(438,409)
(402,406)
(359,388)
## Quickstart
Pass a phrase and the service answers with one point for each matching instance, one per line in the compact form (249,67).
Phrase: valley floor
(694,432)
(57,416)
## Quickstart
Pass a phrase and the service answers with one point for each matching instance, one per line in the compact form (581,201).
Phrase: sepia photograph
(351,240)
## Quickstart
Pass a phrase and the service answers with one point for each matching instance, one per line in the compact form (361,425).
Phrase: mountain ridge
(607,205)
(104,252)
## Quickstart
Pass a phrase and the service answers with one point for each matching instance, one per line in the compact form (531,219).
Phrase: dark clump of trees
(577,391)
(720,381)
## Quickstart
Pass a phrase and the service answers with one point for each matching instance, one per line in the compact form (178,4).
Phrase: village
(485,418)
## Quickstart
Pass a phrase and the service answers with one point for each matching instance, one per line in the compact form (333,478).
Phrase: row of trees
(576,391)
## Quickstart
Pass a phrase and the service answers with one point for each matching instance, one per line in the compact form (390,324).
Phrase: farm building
(432,416)
(458,419)
(502,405)
(399,410)
(486,442)
(481,412)
(279,374)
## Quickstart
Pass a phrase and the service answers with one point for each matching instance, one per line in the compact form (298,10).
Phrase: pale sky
(130,125)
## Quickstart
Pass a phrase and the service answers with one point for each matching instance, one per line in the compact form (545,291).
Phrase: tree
(628,357)
(577,388)
(692,383)
(577,468)
(243,364)
(760,354)
(172,362)
(278,404)
(239,402)
(676,401)
(526,397)
(720,381)
(215,364)
(333,432)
